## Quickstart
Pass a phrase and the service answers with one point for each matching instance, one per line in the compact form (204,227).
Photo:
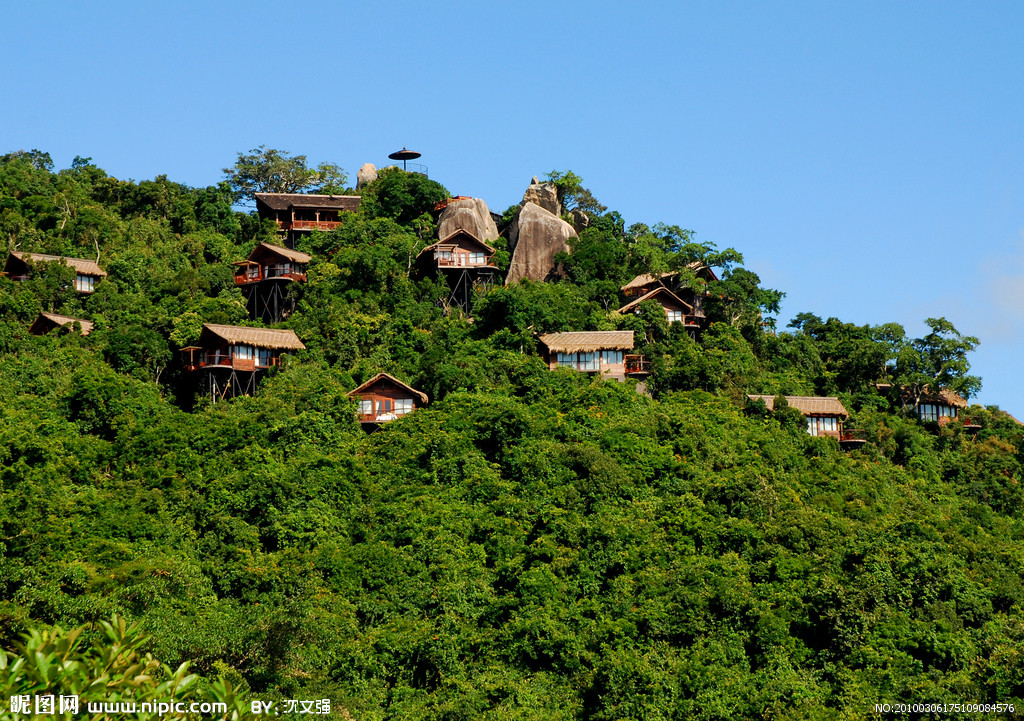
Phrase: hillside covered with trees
(533,544)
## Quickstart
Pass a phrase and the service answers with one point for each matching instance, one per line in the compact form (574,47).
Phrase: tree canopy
(267,170)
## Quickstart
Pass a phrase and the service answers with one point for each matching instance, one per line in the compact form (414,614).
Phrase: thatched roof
(808,405)
(588,341)
(644,279)
(651,295)
(81,265)
(273,338)
(284,201)
(944,397)
(387,377)
(292,255)
(62,320)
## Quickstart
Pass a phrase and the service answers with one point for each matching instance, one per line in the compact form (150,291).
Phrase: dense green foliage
(534,544)
(111,672)
(266,170)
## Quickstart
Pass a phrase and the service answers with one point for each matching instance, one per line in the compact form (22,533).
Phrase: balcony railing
(636,364)
(196,361)
(460,262)
(854,435)
(408,167)
(267,272)
(311,225)
(382,417)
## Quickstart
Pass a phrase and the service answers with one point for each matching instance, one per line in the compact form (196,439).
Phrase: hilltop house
(682,303)
(464,261)
(87,272)
(825,417)
(676,309)
(601,351)
(384,398)
(48,321)
(297,213)
(266,280)
(942,407)
(230,358)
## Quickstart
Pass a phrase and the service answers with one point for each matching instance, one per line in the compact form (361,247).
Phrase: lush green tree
(572,195)
(739,300)
(268,170)
(37,159)
(852,355)
(936,361)
(597,264)
(401,196)
(516,314)
(108,669)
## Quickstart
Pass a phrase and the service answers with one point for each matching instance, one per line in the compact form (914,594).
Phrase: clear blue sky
(867,158)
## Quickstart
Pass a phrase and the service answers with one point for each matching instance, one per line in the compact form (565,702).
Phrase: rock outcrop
(545,195)
(534,237)
(469,214)
(580,220)
(366,174)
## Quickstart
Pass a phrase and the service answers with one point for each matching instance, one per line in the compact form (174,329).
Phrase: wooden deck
(270,272)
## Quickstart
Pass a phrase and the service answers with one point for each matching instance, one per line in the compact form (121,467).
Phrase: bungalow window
(675,316)
(84,283)
(276,271)
(264,357)
(477,258)
(243,352)
(366,406)
(611,357)
(385,409)
(403,406)
(935,411)
(589,362)
(821,425)
(444,256)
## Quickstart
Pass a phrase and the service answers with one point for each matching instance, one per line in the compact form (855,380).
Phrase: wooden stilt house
(47,322)
(384,398)
(676,309)
(943,408)
(267,279)
(682,304)
(230,359)
(297,213)
(464,261)
(87,272)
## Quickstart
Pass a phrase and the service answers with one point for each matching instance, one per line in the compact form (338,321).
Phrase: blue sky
(866,158)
